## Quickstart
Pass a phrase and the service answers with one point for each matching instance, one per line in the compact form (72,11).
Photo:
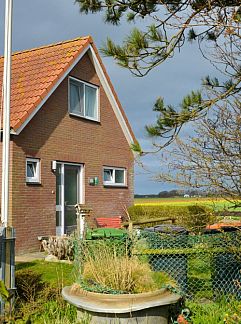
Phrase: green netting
(203,266)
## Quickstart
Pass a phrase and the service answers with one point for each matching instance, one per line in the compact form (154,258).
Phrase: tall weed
(216,312)
(106,267)
(41,302)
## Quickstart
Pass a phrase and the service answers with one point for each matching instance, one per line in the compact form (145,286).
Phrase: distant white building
(186,196)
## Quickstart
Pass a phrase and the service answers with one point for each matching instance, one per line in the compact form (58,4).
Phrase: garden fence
(204,266)
(7,259)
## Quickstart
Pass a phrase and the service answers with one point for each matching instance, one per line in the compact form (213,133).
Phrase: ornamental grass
(111,269)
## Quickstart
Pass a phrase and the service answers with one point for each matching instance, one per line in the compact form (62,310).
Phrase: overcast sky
(41,22)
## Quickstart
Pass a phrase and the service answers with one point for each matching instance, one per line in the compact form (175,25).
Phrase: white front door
(68,194)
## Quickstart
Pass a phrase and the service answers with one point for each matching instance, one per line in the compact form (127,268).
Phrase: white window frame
(36,178)
(112,182)
(97,99)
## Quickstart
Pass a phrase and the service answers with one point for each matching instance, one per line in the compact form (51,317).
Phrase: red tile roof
(36,71)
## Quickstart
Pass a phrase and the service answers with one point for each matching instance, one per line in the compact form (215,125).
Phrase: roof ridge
(49,45)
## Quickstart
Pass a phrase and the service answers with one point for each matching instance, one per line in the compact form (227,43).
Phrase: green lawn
(39,300)
(58,312)
(52,272)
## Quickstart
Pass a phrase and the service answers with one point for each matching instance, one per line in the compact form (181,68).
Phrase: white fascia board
(18,131)
(111,97)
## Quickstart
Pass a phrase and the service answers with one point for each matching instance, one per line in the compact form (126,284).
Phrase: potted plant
(115,284)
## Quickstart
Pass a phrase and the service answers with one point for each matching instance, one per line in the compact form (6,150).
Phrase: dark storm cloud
(41,22)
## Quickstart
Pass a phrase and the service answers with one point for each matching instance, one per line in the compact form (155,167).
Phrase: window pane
(58,218)
(76,98)
(58,185)
(31,169)
(119,176)
(71,184)
(90,102)
(108,175)
(71,191)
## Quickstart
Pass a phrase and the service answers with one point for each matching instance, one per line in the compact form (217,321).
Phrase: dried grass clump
(105,266)
(59,246)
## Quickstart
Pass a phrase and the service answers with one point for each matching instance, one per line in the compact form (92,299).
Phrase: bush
(194,217)
(59,246)
(29,285)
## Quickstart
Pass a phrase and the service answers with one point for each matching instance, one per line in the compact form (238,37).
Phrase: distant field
(217,204)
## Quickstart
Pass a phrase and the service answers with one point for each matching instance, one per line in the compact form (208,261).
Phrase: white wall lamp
(54,166)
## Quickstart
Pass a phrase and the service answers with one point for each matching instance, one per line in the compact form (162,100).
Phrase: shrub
(29,285)
(59,246)
(192,217)
(196,218)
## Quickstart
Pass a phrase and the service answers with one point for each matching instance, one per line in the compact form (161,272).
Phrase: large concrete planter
(144,308)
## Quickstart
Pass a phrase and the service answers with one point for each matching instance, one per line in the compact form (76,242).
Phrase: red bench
(109,222)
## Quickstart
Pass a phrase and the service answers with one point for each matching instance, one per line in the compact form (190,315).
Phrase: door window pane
(70,184)
(58,185)
(71,193)
(58,218)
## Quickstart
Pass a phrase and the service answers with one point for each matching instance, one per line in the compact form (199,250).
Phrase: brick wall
(55,135)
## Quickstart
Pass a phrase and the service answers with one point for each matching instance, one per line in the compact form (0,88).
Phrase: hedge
(193,217)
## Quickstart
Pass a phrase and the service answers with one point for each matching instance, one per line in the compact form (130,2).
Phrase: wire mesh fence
(202,266)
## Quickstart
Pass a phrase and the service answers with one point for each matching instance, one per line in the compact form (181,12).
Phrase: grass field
(217,204)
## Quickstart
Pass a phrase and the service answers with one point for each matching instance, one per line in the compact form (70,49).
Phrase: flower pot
(143,308)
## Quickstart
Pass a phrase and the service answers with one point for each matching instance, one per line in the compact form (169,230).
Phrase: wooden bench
(148,221)
(109,222)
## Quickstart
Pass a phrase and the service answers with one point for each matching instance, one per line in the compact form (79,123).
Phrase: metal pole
(8,264)
(6,112)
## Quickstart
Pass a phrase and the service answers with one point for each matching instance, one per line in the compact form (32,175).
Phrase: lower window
(114,176)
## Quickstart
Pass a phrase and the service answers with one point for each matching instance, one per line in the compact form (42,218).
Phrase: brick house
(70,141)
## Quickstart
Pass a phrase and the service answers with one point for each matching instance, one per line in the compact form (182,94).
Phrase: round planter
(144,308)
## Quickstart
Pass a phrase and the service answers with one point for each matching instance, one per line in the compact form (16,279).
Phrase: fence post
(7,259)
(82,211)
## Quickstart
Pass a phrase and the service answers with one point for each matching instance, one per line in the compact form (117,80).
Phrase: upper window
(32,170)
(114,176)
(83,99)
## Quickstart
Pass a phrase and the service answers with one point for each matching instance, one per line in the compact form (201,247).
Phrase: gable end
(107,86)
